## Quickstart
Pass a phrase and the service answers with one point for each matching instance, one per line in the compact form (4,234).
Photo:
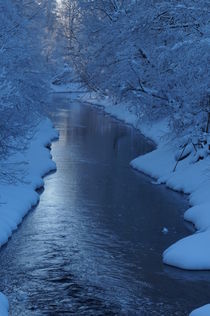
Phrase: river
(93,245)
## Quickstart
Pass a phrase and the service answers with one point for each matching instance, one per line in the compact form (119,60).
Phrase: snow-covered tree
(152,54)
(23,71)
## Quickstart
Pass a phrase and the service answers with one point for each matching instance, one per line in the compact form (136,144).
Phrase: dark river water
(93,245)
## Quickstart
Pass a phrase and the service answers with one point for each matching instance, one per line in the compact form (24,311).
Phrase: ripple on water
(93,245)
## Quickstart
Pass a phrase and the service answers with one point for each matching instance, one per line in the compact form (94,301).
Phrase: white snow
(4,305)
(202,311)
(192,178)
(67,82)
(165,230)
(192,252)
(19,197)
(68,88)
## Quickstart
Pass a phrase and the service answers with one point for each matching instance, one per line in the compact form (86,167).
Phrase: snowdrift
(18,197)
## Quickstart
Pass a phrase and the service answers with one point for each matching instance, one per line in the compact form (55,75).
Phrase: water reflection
(93,245)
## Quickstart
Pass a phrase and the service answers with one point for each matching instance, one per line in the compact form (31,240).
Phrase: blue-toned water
(93,245)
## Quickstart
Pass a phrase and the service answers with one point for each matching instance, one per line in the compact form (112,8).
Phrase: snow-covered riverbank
(19,196)
(202,311)
(4,305)
(191,178)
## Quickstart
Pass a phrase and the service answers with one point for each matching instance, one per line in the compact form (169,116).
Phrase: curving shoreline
(192,252)
(39,163)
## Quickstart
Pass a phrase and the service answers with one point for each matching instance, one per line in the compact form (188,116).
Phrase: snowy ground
(18,197)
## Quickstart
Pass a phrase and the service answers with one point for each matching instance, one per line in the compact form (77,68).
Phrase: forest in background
(153,55)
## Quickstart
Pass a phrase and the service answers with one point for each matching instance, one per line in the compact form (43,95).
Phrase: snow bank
(192,252)
(202,311)
(68,88)
(67,82)
(4,305)
(19,197)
